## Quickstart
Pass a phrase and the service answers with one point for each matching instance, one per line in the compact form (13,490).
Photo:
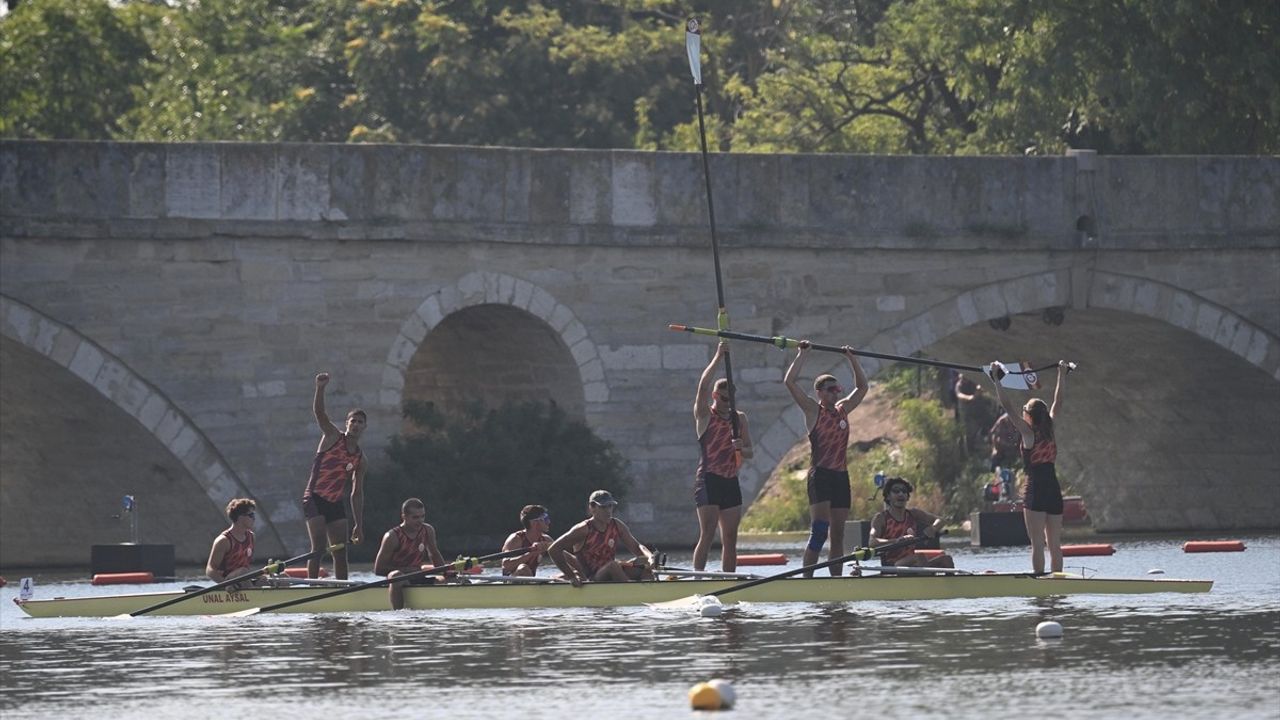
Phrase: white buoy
(710,607)
(1048,629)
(1155,571)
(727,694)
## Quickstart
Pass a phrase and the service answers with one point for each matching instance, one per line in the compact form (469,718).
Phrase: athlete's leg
(730,518)
(708,518)
(1035,521)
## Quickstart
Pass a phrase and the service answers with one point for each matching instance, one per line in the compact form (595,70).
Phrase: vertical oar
(693,46)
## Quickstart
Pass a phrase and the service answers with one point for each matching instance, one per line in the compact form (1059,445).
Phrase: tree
(70,69)
(477,469)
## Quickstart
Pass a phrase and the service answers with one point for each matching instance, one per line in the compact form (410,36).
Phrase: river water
(1214,655)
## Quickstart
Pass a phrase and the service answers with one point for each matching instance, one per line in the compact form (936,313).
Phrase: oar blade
(684,603)
(243,613)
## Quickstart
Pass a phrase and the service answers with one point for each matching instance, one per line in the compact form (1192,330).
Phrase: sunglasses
(546,518)
(832,388)
(249,514)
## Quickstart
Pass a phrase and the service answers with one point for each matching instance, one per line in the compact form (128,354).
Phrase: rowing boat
(606,594)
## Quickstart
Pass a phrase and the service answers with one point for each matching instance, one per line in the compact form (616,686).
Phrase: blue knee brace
(818,534)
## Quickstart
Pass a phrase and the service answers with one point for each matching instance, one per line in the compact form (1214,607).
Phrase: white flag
(693,46)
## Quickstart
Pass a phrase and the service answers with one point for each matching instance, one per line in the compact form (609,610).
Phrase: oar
(268,569)
(785,343)
(460,565)
(693,47)
(857,554)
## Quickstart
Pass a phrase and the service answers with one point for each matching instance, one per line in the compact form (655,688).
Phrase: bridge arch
(1114,293)
(483,288)
(111,379)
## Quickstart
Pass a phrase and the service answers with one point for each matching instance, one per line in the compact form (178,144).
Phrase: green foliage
(866,76)
(477,469)
(70,69)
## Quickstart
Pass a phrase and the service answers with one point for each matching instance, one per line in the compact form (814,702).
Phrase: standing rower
(232,550)
(827,420)
(339,467)
(595,541)
(534,538)
(717,493)
(1042,499)
(406,548)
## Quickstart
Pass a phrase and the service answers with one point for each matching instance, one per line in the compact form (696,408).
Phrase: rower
(537,522)
(897,521)
(232,550)
(406,548)
(594,542)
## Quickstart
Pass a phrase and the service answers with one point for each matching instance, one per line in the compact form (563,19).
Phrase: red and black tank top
(239,553)
(894,529)
(599,547)
(718,456)
(829,440)
(1044,451)
(332,470)
(526,545)
(410,551)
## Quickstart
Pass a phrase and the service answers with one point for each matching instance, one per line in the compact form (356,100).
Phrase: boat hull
(898,588)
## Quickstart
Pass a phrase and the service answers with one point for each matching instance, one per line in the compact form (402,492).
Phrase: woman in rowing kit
(827,421)
(594,543)
(1042,499)
(232,550)
(716,490)
(339,465)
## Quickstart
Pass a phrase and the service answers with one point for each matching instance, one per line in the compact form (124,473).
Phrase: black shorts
(1043,493)
(712,489)
(829,486)
(316,506)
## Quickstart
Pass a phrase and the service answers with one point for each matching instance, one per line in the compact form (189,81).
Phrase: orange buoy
(1213,546)
(929,552)
(1092,549)
(123,578)
(301,572)
(765,559)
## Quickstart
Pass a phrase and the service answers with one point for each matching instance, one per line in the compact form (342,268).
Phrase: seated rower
(232,550)
(593,543)
(537,522)
(406,548)
(897,521)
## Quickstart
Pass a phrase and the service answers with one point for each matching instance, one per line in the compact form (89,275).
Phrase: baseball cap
(602,498)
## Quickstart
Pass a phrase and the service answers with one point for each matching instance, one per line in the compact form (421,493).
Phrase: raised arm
(806,403)
(322,418)
(847,403)
(1057,390)
(702,401)
(743,443)
(1015,413)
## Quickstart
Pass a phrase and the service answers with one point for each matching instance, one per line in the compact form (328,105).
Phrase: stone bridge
(165,307)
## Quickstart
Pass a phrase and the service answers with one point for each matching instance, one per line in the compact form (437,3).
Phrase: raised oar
(693,47)
(269,569)
(785,343)
(858,554)
(459,565)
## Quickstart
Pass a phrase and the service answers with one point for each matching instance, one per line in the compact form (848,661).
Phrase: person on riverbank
(717,494)
(897,521)
(232,550)
(337,472)
(594,543)
(1005,452)
(827,420)
(1042,498)
(533,538)
(407,548)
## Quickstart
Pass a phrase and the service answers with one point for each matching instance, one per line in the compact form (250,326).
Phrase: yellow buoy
(704,697)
